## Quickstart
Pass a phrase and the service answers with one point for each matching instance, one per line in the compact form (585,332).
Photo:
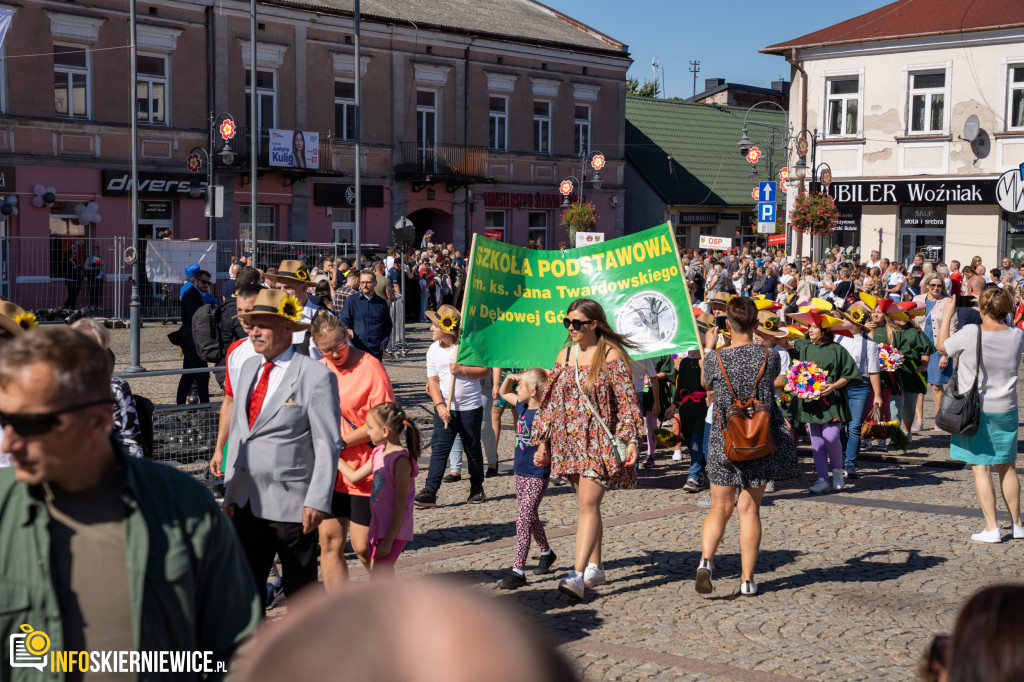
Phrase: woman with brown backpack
(742,376)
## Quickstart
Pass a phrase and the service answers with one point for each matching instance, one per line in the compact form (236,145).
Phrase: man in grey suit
(283,447)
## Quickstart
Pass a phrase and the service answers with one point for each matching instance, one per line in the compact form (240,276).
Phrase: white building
(891,94)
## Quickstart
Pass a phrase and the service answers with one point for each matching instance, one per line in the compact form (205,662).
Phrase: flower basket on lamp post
(580,217)
(815,213)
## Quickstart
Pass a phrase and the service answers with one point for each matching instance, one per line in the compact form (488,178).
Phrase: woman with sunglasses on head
(935,301)
(589,396)
(363,384)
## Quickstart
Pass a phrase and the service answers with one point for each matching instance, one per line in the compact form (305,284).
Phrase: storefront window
(494,224)
(1013,237)
(68,242)
(344,224)
(922,229)
(264,223)
(538,230)
(847,233)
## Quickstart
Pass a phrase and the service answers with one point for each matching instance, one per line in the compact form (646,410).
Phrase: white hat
(786,279)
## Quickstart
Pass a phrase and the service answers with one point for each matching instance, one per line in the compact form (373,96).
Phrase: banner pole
(458,346)
(686,290)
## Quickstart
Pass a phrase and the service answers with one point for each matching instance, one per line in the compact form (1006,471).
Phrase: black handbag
(959,412)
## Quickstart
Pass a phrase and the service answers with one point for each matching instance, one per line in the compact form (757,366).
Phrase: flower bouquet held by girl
(806,380)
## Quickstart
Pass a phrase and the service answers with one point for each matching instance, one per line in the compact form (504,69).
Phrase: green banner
(516,298)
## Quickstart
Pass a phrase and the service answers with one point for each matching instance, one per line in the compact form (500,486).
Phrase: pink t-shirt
(382,499)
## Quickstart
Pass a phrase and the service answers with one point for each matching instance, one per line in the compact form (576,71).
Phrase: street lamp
(569,183)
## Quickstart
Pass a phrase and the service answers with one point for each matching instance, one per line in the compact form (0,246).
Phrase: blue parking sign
(766,191)
(766,210)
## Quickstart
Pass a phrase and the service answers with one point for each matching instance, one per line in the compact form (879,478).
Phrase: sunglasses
(575,324)
(207,282)
(28,425)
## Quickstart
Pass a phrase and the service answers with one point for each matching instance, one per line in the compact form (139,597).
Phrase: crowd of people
(300,484)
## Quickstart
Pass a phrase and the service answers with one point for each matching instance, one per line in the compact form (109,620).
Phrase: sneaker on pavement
(425,499)
(820,486)
(851,472)
(748,588)
(476,497)
(677,456)
(545,563)
(705,502)
(837,479)
(703,584)
(593,576)
(691,485)
(770,487)
(994,535)
(572,585)
(917,426)
(512,581)
(1018,532)
(452,478)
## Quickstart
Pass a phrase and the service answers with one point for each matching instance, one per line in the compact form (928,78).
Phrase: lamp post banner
(516,298)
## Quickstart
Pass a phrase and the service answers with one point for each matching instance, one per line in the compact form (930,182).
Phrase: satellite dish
(404,233)
(971,128)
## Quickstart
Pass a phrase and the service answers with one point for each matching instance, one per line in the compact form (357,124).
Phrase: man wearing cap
(293,278)
(282,457)
(192,299)
(368,317)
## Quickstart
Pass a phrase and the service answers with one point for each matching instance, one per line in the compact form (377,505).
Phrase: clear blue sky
(724,35)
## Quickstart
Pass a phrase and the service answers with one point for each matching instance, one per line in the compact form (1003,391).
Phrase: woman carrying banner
(589,402)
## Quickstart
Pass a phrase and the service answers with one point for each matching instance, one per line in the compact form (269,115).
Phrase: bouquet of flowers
(806,380)
(889,358)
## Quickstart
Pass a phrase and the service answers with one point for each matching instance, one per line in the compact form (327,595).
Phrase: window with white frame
(344,110)
(426,121)
(927,101)
(495,221)
(343,220)
(151,89)
(71,81)
(1015,120)
(542,127)
(581,136)
(266,98)
(264,223)
(538,236)
(498,123)
(843,105)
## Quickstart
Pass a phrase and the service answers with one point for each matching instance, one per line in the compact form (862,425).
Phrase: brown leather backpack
(747,424)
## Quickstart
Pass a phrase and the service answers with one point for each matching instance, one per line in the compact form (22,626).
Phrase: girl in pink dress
(394,472)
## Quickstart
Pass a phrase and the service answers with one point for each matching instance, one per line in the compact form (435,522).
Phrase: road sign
(766,212)
(765,228)
(716,243)
(766,191)
(777,239)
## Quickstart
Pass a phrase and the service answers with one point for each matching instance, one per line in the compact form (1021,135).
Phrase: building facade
(472,113)
(918,109)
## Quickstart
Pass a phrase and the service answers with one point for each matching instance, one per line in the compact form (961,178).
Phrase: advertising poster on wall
(294,149)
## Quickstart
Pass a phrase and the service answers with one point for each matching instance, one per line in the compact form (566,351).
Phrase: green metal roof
(706,168)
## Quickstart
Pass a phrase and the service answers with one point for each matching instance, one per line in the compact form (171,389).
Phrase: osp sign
(716,243)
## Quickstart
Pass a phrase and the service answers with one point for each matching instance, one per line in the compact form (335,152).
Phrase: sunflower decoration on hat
(447,318)
(769,323)
(26,320)
(447,324)
(302,274)
(14,319)
(290,308)
(858,315)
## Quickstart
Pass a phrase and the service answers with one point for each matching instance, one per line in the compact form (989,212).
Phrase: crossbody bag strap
(586,399)
(725,375)
(977,374)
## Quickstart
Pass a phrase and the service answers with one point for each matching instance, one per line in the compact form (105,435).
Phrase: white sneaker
(1018,532)
(677,456)
(705,502)
(593,576)
(994,535)
(838,483)
(572,585)
(820,486)
(703,584)
(748,588)
(770,487)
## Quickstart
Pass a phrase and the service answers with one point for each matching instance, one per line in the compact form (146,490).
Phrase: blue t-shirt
(522,464)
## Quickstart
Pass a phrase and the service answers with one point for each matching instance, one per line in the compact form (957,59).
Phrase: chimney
(781,86)
(711,83)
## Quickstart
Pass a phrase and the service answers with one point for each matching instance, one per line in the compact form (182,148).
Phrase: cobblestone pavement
(853,585)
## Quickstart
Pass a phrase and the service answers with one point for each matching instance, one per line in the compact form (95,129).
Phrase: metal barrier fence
(58,274)
(184,437)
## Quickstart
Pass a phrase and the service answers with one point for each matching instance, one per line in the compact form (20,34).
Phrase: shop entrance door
(922,229)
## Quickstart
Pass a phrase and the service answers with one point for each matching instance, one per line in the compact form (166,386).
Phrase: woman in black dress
(743,360)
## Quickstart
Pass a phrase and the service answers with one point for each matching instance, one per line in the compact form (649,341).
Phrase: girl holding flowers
(819,390)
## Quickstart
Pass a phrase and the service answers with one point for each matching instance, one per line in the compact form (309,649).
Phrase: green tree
(648,89)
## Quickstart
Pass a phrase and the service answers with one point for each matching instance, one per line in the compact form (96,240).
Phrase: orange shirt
(360,389)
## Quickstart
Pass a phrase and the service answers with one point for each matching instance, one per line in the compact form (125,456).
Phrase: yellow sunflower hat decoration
(16,319)
(278,303)
(290,272)
(447,318)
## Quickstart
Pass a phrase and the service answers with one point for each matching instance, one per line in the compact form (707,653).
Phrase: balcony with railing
(454,164)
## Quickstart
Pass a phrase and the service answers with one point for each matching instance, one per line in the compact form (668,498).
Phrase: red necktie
(256,402)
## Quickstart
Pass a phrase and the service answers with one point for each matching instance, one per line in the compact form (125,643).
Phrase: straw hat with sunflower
(447,318)
(292,273)
(278,303)
(15,319)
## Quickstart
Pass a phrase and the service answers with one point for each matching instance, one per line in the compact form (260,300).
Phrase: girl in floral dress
(571,438)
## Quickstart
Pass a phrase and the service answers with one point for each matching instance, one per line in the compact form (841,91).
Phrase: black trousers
(95,292)
(262,539)
(201,380)
(73,286)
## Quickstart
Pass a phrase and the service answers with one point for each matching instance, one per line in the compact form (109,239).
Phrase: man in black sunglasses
(105,552)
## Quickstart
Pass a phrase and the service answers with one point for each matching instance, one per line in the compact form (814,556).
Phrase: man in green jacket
(102,552)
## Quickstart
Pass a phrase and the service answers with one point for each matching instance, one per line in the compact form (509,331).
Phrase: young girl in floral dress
(593,373)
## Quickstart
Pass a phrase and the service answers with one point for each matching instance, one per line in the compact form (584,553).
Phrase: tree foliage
(649,88)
